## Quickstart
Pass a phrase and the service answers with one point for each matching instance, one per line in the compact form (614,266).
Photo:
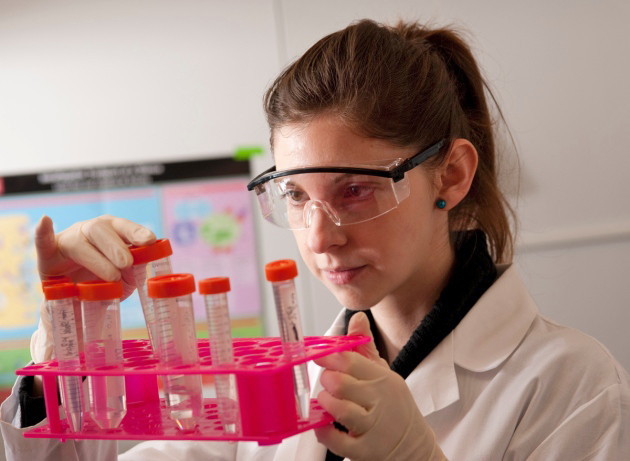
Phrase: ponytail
(485,206)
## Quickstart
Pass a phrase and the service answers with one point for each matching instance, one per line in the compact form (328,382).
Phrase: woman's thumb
(45,238)
(360,325)
(49,260)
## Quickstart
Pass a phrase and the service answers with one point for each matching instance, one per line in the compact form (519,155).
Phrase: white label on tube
(66,345)
(288,312)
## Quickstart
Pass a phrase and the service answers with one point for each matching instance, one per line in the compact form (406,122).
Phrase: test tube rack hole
(265,392)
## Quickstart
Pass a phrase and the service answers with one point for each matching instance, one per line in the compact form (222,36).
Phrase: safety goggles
(346,194)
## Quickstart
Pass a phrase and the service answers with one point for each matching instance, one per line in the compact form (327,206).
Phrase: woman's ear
(456,174)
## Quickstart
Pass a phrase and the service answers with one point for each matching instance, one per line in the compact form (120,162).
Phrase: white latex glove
(93,249)
(374,403)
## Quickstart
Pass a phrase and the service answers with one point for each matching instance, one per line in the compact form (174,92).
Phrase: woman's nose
(323,232)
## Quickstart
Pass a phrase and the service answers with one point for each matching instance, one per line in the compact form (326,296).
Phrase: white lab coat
(506,384)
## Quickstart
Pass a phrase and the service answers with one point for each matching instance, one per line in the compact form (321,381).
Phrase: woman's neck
(398,315)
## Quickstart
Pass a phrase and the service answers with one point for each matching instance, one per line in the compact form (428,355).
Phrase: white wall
(93,82)
(118,81)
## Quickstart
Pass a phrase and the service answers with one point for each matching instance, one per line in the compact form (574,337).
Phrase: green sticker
(246,152)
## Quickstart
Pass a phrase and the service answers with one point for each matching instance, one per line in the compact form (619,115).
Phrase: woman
(385,173)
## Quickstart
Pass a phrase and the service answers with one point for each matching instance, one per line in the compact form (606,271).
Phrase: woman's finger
(353,364)
(85,254)
(340,443)
(49,260)
(45,238)
(131,232)
(360,325)
(101,234)
(352,416)
(346,387)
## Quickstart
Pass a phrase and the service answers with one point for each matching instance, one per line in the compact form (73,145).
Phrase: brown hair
(409,85)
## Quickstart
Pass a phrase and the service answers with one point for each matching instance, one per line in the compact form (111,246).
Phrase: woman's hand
(374,404)
(93,249)
(97,248)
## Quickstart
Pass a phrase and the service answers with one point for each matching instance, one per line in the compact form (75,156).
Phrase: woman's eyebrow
(351,175)
(339,177)
(342,177)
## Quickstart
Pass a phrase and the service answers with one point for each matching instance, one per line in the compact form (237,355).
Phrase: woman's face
(387,258)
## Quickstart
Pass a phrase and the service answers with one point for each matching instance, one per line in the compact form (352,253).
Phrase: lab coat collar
(484,339)
(496,324)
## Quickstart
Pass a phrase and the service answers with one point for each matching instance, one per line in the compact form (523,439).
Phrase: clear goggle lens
(294,201)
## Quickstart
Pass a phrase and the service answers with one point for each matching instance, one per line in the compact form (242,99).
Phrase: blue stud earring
(440,204)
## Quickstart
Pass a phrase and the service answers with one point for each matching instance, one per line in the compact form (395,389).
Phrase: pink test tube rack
(265,392)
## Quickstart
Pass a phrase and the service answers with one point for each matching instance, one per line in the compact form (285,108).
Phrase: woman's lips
(342,276)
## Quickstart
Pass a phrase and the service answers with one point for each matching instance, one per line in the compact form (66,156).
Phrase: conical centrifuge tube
(60,297)
(281,274)
(177,345)
(102,342)
(214,291)
(150,261)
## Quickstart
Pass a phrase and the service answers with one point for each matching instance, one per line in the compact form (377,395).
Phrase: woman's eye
(357,192)
(295,195)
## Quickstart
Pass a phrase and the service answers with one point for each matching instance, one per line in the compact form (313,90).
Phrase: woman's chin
(354,300)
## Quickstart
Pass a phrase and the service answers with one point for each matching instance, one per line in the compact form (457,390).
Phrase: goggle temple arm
(399,172)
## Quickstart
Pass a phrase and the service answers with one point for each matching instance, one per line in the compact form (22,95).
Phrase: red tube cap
(283,269)
(214,285)
(147,253)
(60,291)
(99,290)
(170,285)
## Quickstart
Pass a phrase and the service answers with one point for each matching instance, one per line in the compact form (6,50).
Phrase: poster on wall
(202,206)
